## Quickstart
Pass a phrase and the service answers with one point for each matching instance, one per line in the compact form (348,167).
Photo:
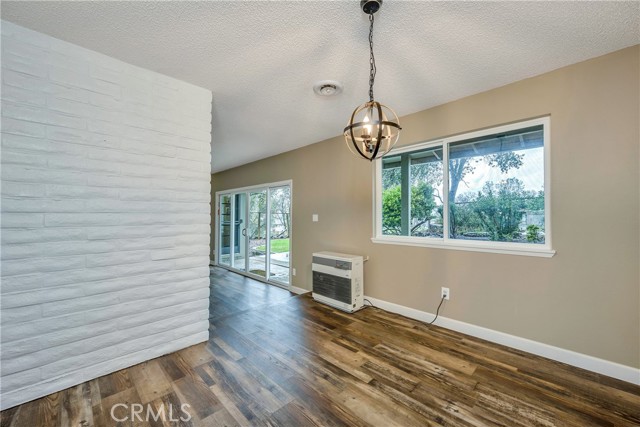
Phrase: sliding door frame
(247,190)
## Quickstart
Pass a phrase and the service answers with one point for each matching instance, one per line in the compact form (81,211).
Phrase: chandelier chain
(372,59)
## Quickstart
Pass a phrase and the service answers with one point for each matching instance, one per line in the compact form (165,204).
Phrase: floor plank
(277,359)
(75,407)
(150,381)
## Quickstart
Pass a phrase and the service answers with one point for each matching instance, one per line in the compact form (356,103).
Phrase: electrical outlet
(444,293)
(294,271)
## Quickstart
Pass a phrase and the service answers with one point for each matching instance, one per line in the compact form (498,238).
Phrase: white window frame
(526,249)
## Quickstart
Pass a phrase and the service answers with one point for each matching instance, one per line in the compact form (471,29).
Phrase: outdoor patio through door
(254,231)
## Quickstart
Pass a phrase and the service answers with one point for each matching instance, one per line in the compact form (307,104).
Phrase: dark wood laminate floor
(275,359)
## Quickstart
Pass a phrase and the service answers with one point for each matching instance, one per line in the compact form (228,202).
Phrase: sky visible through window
(531,173)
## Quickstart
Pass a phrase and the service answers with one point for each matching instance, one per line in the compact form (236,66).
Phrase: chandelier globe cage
(372,131)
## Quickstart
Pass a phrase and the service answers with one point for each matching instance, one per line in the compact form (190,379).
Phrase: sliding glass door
(232,223)
(224,230)
(257,233)
(279,231)
(239,232)
(254,232)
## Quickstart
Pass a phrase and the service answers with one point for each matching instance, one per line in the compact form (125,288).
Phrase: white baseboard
(297,290)
(601,366)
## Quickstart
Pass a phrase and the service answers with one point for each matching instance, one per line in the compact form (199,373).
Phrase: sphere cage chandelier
(374,128)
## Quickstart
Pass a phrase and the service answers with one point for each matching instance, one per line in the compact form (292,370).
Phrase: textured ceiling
(261,59)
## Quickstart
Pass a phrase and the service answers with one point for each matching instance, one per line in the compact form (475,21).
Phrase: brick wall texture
(105,214)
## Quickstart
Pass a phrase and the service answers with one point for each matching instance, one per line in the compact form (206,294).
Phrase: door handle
(244,232)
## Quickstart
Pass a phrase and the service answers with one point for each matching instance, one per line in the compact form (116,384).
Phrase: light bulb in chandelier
(367,127)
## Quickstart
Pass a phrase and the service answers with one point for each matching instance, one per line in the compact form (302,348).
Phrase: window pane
(257,232)
(279,234)
(225,230)
(426,193)
(496,187)
(391,196)
(412,193)
(239,231)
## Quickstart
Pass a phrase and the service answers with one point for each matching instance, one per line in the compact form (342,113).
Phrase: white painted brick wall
(105,214)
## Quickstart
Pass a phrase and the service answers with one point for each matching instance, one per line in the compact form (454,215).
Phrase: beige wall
(586,298)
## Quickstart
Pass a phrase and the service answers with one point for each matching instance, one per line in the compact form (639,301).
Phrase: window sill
(521,249)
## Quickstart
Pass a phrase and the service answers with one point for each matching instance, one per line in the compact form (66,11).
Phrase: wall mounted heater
(338,280)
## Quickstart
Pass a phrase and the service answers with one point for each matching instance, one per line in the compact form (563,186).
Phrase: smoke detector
(327,88)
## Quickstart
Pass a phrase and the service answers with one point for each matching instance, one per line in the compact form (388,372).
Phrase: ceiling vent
(327,88)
